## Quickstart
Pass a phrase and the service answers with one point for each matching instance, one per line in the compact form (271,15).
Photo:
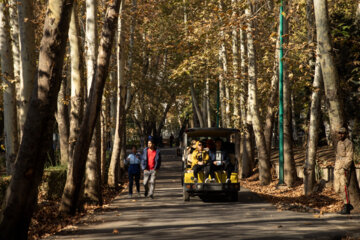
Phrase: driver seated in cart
(220,161)
(200,162)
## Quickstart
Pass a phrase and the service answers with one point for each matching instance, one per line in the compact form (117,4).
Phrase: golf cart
(230,139)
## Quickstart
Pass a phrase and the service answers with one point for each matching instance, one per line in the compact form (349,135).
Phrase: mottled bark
(15,38)
(28,56)
(92,179)
(328,67)
(36,141)
(9,93)
(289,163)
(235,57)
(313,136)
(271,106)
(62,118)
(77,81)
(114,168)
(264,162)
(74,180)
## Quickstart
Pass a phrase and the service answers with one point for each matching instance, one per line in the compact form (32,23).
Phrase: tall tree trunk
(15,38)
(270,108)
(28,57)
(36,141)
(289,163)
(93,190)
(223,75)
(104,119)
(114,168)
(196,105)
(74,180)
(264,162)
(235,58)
(328,67)
(93,164)
(207,99)
(9,94)
(313,136)
(247,158)
(77,81)
(331,85)
(62,118)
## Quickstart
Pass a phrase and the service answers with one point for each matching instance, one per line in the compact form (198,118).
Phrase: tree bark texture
(15,38)
(77,80)
(328,67)
(92,189)
(289,163)
(75,176)
(62,118)
(114,168)
(264,162)
(313,136)
(28,56)
(9,93)
(93,164)
(235,57)
(224,65)
(271,107)
(17,211)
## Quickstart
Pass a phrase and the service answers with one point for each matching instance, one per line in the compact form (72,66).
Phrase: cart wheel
(234,197)
(186,196)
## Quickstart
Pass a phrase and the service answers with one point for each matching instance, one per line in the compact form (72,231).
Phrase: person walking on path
(133,160)
(150,163)
(343,165)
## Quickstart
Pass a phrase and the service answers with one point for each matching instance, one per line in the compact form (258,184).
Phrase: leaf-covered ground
(322,201)
(293,198)
(47,221)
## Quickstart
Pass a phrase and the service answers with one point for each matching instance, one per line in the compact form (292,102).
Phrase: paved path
(168,217)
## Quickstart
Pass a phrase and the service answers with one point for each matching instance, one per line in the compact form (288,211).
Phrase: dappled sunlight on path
(168,217)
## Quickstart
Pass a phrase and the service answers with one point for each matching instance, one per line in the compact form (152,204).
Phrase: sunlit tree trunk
(207,94)
(313,136)
(246,147)
(8,85)
(73,184)
(264,162)
(77,81)
(15,38)
(270,108)
(105,129)
(114,168)
(93,164)
(331,85)
(21,196)
(62,118)
(328,67)
(289,163)
(28,56)
(235,57)
(224,85)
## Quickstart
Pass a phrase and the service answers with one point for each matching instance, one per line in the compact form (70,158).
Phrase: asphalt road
(168,217)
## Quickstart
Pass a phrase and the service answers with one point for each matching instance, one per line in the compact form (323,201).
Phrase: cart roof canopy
(211,132)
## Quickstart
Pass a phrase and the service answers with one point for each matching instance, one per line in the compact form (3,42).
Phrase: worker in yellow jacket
(201,162)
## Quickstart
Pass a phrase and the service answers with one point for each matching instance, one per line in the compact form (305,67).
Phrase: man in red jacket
(150,163)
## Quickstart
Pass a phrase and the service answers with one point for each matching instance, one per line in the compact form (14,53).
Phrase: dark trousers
(228,167)
(134,172)
(198,168)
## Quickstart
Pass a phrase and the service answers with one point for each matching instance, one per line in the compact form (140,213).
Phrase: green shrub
(53,183)
(4,183)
